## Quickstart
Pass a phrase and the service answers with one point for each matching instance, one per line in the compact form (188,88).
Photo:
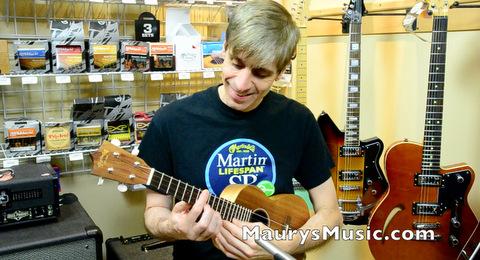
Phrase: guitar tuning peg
(122,187)
(116,142)
(100,181)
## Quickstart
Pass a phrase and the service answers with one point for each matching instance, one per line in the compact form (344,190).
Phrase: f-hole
(260,215)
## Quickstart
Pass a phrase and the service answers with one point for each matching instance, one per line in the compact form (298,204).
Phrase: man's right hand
(183,220)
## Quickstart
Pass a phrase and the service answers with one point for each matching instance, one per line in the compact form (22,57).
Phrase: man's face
(245,84)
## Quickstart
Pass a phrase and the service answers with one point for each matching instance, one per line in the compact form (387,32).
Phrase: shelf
(67,156)
(93,76)
(105,73)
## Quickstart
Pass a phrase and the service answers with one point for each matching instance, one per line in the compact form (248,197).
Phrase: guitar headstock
(354,11)
(114,163)
(438,7)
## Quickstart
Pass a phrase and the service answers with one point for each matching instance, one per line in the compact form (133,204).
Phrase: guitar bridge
(349,188)
(425,226)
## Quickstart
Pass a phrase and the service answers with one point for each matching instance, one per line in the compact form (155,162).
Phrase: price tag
(97,1)
(5,81)
(10,162)
(151,2)
(184,75)
(229,3)
(127,76)
(63,79)
(191,1)
(208,74)
(129,1)
(209,2)
(95,78)
(156,76)
(43,158)
(29,80)
(75,157)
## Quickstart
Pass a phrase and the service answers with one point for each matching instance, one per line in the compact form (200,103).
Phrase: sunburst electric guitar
(422,195)
(243,202)
(358,178)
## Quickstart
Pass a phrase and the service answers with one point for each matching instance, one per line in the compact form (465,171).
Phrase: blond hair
(264,32)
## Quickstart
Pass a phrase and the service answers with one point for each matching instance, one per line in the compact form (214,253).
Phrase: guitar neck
(352,128)
(434,110)
(181,191)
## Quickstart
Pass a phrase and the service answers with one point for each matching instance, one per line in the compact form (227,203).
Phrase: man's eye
(236,65)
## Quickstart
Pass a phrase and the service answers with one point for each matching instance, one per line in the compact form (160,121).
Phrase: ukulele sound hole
(260,215)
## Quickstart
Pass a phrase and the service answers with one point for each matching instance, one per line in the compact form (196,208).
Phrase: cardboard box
(162,56)
(188,48)
(23,136)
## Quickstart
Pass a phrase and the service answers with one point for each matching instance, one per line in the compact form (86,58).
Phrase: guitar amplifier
(138,247)
(73,236)
(28,193)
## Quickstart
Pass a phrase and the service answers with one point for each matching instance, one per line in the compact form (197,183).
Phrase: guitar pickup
(351,151)
(431,209)
(349,188)
(350,175)
(430,180)
(425,226)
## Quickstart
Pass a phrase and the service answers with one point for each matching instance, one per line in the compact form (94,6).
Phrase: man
(239,132)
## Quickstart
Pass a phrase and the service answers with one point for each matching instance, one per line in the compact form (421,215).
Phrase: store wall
(393,98)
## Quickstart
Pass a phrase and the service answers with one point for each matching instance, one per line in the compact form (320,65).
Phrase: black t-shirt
(205,143)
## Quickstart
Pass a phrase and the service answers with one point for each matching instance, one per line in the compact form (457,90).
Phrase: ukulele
(471,250)
(242,202)
(423,196)
(357,176)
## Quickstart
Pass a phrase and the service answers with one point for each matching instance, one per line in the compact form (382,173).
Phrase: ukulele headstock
(115,163)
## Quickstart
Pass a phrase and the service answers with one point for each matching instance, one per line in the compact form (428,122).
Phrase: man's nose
(244,80)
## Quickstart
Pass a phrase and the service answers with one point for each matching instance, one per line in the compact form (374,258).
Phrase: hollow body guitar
(243,202)
(358,178)
(422,196)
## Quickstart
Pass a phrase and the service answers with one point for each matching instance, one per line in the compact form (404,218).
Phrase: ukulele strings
(252,212)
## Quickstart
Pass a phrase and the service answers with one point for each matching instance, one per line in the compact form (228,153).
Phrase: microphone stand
(277,253)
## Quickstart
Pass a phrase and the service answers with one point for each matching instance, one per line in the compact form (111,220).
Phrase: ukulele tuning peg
(116,142)
(100,181)
(122,187)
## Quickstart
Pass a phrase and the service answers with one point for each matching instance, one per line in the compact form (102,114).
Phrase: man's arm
(327,213)
(180,221)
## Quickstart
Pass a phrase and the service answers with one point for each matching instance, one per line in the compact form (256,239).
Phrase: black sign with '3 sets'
(147,28)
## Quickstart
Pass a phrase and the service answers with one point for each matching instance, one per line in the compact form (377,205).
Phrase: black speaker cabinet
(138,247)
(73,236)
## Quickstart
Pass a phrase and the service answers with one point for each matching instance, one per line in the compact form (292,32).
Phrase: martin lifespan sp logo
(240,161)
